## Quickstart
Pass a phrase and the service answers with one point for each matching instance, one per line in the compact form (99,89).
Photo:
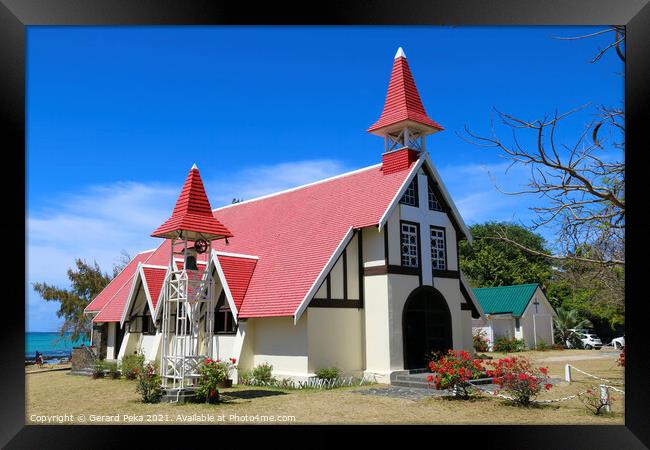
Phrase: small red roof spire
(192,216)
(403,102)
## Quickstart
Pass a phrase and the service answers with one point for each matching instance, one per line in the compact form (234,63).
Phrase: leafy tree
(87,281)
(565,321)
(492,262)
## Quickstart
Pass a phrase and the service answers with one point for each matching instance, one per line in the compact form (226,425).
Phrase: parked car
(618,343)
(589,340)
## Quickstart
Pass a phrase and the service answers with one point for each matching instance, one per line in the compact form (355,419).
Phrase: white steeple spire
(194,167)
(400,52)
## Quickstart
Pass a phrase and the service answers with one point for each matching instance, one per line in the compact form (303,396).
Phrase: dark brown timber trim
(411,270)
(360,258)
(334,303)
(446,274)
(465,307)
(469,301)
(328,286)
(386,244)
(383,270)
(345,273)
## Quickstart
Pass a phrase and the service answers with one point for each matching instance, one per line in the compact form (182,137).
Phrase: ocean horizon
(50,344)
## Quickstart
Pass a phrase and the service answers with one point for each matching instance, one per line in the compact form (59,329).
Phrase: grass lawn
(57,393)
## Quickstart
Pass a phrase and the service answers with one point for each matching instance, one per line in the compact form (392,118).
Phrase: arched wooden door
(426,326)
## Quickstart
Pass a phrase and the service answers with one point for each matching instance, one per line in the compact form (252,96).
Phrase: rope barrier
(592,376)
(555,400)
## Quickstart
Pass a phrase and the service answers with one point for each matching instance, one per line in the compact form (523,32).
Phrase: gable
(441,193)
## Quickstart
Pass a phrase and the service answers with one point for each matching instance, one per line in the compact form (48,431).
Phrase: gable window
(410,196)
(438,249)
(224,322)
(409,245)
(148,327)
(434,204)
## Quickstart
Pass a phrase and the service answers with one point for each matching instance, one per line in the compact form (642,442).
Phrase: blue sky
(117,115)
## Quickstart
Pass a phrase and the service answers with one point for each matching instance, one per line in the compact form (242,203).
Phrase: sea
(52,345)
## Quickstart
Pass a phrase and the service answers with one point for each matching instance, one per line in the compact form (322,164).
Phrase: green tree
(87,281)
(565,321)
(491,262)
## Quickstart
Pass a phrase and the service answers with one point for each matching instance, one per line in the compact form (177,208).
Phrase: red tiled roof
(192,213)
(402,99)
(122,278)
(300,230)
(238,272)
(113,308)
(295,233)
(154,277)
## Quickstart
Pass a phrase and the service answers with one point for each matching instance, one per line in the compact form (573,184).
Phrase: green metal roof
(505,299)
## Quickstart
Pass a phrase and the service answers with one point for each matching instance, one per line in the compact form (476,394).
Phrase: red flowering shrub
(621,358)
(454,370)
(479,339)
(212,373)
(519,378)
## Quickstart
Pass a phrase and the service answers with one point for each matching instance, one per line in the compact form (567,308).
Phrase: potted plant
(211,374)
(227,367)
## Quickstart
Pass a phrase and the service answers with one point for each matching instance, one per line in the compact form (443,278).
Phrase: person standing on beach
(39,358)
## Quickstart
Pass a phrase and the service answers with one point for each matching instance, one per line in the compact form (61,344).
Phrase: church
(358,271)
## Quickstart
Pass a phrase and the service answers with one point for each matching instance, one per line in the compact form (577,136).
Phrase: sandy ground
(56,397)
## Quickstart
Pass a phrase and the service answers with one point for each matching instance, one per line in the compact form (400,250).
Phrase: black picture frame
(16,15)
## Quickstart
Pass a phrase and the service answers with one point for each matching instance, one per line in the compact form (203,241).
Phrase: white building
(521,311)
(359,271)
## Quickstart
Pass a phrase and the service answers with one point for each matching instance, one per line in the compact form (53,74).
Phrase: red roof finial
(403,102)
(192,216)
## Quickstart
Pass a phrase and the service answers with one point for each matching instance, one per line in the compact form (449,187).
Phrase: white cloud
(101,221)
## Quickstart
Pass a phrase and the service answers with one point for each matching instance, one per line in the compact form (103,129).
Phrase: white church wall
(377,337)
(335,339)
(282,344)
(373,247)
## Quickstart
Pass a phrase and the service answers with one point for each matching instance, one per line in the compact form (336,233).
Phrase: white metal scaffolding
(188,316)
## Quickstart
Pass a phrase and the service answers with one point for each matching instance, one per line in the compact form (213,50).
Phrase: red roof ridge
(302,186)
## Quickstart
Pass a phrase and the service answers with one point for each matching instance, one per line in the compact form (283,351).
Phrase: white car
(589,340)
(618,343)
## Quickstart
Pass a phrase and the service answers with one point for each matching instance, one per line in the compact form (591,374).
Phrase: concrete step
(82,372)
(420,380)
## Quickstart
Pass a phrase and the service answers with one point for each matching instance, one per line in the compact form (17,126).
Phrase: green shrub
(99,368)
(132,365)
(542,346)
(149,385)
(245,377)
(263,373)
(509,345)
(113,370)
(328,373)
